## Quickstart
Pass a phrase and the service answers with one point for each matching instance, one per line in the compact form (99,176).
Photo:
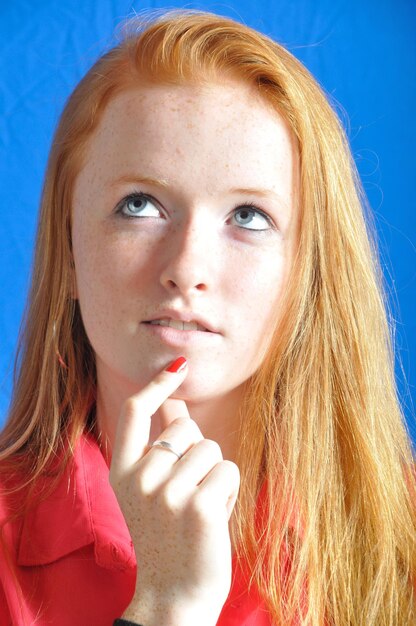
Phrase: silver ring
(167,446)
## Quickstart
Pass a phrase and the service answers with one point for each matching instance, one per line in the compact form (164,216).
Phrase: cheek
(261,284)
(261,304)
(107,264)
(96,273)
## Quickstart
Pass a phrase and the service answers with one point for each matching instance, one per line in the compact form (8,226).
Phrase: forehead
(232,98)
(154,111)
(212,134)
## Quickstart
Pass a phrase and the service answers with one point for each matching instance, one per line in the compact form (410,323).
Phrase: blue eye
(250,218)
(138,205)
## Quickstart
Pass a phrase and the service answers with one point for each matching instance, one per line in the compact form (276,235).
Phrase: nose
(186,267)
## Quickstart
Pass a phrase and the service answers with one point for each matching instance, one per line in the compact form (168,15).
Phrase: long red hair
(322,423)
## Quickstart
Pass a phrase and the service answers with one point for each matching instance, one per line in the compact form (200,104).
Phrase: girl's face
(184,214)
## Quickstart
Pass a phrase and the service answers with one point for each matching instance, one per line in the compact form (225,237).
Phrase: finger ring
(167,446)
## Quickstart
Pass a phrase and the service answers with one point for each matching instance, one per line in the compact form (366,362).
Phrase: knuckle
(212,447)
(195,429)
(144,484)
(199,506)
(188,427)
(131,407)
(233,472)
(169,496)
(155,385)
(181,422)
(146,401)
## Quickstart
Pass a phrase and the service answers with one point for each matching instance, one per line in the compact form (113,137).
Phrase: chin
(195,391)
(192,393)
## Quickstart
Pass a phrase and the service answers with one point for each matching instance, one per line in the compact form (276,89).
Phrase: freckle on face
(204,142)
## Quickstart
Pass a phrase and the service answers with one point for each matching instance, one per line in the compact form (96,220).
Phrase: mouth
(178,324)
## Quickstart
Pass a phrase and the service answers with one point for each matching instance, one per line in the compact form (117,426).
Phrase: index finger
(133,427)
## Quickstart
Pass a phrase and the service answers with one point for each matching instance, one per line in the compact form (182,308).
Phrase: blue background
(363,52)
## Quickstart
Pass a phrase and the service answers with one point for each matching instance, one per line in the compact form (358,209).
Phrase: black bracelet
(125,622)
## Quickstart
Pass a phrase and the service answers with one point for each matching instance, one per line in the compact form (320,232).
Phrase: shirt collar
(81,509)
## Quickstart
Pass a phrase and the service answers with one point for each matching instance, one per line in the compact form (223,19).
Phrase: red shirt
(73,558)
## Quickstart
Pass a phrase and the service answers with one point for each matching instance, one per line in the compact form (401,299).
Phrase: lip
(182,316)
(182,338)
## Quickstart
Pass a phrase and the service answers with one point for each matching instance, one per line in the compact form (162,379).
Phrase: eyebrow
(264,193)
(148,180)
(164,184)
(254,190)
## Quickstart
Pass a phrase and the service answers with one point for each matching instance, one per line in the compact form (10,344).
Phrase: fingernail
(177,366)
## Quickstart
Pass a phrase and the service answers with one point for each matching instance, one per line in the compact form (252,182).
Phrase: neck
(219,419)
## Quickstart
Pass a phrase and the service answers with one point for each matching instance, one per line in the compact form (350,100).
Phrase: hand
(177,510)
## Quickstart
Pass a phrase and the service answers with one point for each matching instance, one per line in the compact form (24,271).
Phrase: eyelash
(251,206)
(133,196)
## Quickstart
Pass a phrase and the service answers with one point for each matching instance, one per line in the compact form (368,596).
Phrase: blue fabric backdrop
(362,52)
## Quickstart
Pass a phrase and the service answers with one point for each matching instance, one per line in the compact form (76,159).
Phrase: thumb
(169,411)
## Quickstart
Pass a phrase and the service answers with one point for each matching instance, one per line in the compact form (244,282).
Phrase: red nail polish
(177,366)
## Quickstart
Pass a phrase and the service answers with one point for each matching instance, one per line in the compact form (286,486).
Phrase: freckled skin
(204,141)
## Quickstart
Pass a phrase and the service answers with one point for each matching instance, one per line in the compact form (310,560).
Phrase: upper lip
(183,316)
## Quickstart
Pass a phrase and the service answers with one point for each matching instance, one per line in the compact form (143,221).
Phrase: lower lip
(176,337)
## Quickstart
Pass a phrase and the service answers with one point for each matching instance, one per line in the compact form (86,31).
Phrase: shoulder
(21,490)
(33,509)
